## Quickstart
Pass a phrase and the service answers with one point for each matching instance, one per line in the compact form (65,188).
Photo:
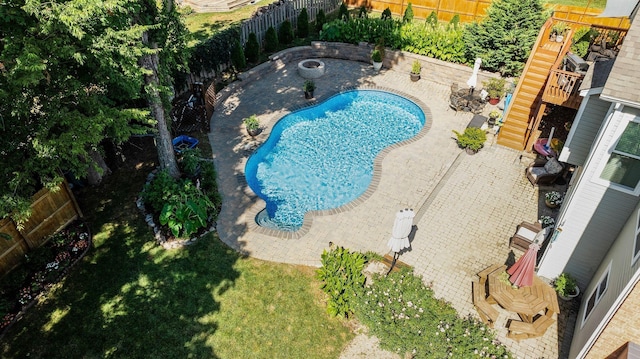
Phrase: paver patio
(467,206)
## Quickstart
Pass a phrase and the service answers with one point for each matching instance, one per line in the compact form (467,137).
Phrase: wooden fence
(51,211)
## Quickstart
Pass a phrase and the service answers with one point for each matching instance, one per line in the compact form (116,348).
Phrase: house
(597,237)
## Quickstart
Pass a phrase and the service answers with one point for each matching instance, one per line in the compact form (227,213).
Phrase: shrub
(376,56)
(494,86)
(432,19)
(455,22)
(159,191)
(403,313)
(440,42)
(565,285)
(215,51)
(343,12)
(189,164)
(285,33)
(209,185)
(252,48)
(341,274)
(367,30)
(188,213)
(362,12)
(321,19)
(237,57)
(472,138)
(408,14)
(386,14)
(503,39)
(270,40)
(303,23)
(581,40)
(416,67)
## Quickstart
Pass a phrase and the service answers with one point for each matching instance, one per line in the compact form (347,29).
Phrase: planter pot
(494,100)
(559,38)
(377,65)
(308,95)
(570,296)
(491,122)
(254,132)
(549,204)
(414,77)
(470,151)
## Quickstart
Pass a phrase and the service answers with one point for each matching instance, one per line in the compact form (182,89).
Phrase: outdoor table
(525,301)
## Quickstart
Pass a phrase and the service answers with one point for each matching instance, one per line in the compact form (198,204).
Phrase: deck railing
(562,88)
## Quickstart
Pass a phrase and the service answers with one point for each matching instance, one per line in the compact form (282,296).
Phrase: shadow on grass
(129,297)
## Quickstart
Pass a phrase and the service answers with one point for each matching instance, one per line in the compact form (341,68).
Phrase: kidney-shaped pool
(321,157)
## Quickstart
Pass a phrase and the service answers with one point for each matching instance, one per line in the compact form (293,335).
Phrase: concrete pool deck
(466,207)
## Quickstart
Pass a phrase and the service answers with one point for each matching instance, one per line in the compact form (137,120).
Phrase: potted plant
(493,117)
(546,221)
(471,140)
(566,286)
(553,199)
(495,88)
(308,87)
(376,57)
(416,67)
(252,125)
(559,29)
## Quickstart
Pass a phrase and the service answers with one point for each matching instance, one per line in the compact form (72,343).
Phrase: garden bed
(42,268)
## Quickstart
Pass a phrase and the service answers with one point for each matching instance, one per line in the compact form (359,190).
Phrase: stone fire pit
(311,68)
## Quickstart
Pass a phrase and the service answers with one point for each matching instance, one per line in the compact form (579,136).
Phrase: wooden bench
(388,259)
(485,272)
(487,313)
(522,330)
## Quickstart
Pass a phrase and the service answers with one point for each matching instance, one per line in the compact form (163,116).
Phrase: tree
(343,12)
(303,23)
(285,33)
(321,18)
(270,40)
(386,14)
(408,14)
(252,48)
(237,56)
(69,78)
(503,39)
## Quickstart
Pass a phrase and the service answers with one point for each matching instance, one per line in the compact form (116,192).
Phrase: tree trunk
(97,168)
(166,156)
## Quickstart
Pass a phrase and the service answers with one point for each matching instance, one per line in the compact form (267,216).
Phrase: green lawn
(131,299)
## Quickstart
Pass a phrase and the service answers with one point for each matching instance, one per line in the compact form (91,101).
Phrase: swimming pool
(321,157)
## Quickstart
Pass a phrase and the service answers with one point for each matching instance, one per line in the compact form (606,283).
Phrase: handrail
(562,88)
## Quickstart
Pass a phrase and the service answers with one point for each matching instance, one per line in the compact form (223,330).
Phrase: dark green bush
(270,40)
(341,274)
(285,33)
(432,19)
(190,162)
(303,23)
(455,22)
(503,39)
(210,54)
(321,19)
(237,56)
(343,12)
(362,12)
(386,14)
(408,14)
(188,213)
(367,30)
(252,48)
(160,190)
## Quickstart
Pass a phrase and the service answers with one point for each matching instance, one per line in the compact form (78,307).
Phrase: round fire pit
(311,68)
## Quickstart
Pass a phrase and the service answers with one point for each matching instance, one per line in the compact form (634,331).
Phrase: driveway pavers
(467,205)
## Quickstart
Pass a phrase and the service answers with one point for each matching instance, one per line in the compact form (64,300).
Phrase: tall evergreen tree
(303,23)
(408,14)
(503,39)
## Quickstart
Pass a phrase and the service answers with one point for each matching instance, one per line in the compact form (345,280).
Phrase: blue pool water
(321,157)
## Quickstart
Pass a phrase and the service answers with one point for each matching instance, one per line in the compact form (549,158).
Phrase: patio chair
(526,234)
(544,172)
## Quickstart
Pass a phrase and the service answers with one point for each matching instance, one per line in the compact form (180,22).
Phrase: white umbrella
(473,80)
(400,233)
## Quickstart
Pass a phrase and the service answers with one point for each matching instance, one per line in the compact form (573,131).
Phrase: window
(636,242)
(620,168)
(597,294)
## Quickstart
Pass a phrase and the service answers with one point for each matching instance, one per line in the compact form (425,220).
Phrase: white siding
(584,130)
(591,218)
(620,257)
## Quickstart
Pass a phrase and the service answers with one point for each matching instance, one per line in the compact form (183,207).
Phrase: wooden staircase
(524,111)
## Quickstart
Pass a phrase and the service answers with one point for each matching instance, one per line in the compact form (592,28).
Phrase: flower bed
(42,268)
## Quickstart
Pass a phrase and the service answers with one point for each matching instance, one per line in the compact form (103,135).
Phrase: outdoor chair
(544,172)
(527,233)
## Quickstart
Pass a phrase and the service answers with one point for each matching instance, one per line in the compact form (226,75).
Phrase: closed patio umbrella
(472,82)
(522,270)
(400,233)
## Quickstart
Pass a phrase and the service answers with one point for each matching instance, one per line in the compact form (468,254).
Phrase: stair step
(516,145)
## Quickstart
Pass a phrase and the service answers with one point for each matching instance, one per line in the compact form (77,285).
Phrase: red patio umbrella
(522,270)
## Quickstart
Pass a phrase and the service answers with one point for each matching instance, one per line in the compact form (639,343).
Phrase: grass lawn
(129,298)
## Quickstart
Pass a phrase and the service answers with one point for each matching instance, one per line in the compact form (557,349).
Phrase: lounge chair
(544,172)
(527,233)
